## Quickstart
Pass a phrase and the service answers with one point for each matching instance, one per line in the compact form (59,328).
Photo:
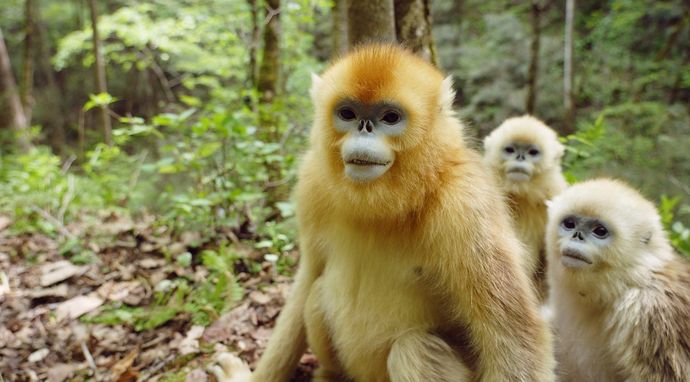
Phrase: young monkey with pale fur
(526,156)
(619,293)
(409,268)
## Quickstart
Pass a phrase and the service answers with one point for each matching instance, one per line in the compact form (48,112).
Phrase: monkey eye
(600,231)
(346,114)
(533,152)
(568,223)
(509,149)
(391,117)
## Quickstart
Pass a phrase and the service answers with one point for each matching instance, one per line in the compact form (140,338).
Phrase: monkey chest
(368,302)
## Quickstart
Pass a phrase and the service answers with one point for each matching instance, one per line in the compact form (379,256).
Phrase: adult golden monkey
(526,156)
(409,267)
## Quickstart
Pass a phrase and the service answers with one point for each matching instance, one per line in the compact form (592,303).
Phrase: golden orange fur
(414,276)
(528,199)
(626,317)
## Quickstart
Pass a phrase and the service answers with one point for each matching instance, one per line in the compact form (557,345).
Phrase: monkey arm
(479,271)
(650,334)
(288,341)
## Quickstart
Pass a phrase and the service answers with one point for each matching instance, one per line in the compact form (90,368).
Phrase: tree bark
(568,102)
(51,102)
(370,21)
(535,13)
(254,43)
(413,27)
(99,72)
(27,83)
(269,71)
(340,32)
(10,104)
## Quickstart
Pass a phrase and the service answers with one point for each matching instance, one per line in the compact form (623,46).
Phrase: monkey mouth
(366,162)
(577,256)
(518,171)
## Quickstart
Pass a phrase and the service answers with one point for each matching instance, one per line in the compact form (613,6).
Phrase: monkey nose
(367,125)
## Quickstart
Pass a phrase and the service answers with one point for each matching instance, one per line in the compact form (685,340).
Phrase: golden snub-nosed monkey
(525,154)
(409,268)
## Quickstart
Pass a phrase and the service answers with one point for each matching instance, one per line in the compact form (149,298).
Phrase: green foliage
(678,232)
(204,301)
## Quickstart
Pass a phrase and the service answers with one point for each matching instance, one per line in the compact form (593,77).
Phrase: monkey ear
(315,84)
(447,96)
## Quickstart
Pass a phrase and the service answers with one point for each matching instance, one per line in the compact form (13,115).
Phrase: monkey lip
(518,170)
(576,256)
(365,162)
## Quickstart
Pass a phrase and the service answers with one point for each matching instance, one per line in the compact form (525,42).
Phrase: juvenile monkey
(525,154)
(620,296)
(409,268)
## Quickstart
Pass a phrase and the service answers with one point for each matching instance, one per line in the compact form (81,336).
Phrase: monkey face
(520,160)
(365,150)
(581,240)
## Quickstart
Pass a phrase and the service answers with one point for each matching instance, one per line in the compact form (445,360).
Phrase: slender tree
(254,43)
(269,71)
(11,110)
(413,27)
(340,33)
(370,20)
(568,102)
(99,72)
(27,83)
(53,104)
(535,16)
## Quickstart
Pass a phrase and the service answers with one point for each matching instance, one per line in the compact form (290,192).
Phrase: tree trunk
(11,110)
(51,102)
(340,33)
(370,21)
(413,27)
(28,68)
(254,43)
(535,13)
(99,72)
(270,61)
(568,102)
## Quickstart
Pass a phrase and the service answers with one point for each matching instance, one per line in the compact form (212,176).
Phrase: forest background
(148,149)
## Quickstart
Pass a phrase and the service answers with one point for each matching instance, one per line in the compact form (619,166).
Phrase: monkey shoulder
(651,328)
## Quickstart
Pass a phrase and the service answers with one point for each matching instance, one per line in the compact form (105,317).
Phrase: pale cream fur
(528,199)
(627,316)
(414,276)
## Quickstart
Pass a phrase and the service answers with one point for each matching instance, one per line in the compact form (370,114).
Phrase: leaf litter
(130,301)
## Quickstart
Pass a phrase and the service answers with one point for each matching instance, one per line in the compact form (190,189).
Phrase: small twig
(52,219)
(679,184)
(68,164)
(135,177)
(158,71)
(88,357)
(279,182)
(270,12)
(66,199)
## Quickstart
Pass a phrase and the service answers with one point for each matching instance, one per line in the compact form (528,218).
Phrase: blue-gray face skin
(521,159)
(365,151)
(581,239)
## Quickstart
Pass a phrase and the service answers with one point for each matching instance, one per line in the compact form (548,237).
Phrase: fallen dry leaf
(4,222)
(60,372)
(77,306)
(190,344)
(122,366)
(52,273)
(38,355)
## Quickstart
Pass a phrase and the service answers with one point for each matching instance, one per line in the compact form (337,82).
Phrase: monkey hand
(230,368)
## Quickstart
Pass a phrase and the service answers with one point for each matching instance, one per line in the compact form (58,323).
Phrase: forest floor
(48,306)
